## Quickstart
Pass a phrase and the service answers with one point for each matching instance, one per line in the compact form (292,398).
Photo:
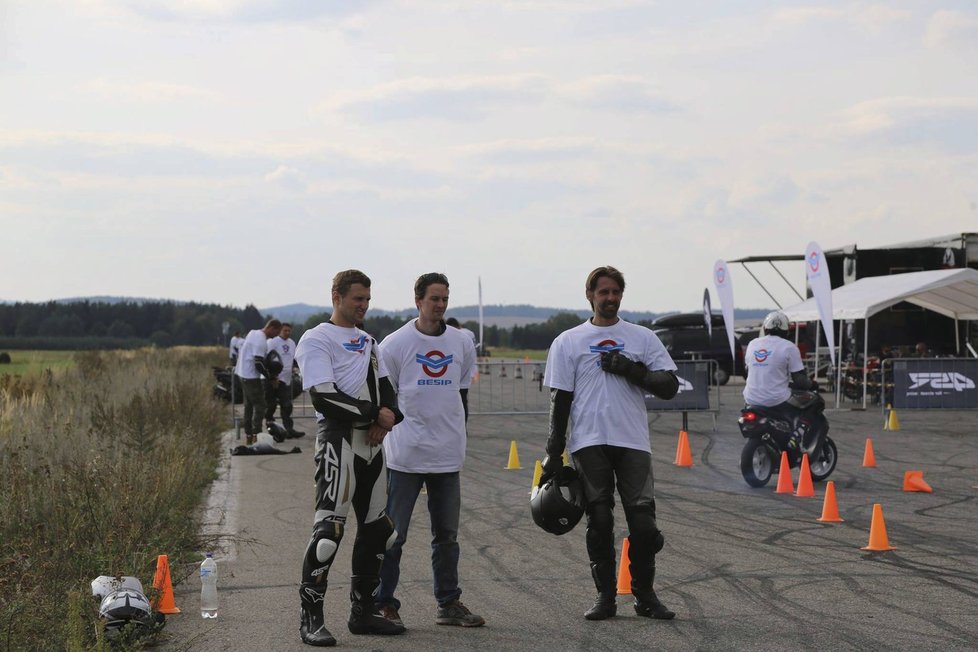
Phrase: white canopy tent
(949,292)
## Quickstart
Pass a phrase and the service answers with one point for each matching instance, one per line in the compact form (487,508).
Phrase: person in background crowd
(250,368)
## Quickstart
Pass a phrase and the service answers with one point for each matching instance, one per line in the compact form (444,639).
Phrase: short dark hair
(431,278)
(286,324)
(591,284)
(451,321)
(344,280)
(273,323)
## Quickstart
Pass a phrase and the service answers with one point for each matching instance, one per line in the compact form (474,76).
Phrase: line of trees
(92,325)
(98,325)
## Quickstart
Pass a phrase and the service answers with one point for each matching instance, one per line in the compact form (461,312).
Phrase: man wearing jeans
(430,367)
(250,368)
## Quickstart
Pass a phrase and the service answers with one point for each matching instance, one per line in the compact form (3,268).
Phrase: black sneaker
(390,613)
(456,613)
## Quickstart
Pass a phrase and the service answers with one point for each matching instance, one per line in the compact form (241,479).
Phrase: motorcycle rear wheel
(827,459)
(756,463)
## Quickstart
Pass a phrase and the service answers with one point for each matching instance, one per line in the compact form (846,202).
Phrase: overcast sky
(243,151)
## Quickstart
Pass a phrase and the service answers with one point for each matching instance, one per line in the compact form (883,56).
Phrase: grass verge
(102,468)
(32,363)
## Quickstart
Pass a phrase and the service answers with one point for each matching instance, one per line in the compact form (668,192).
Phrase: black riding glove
(560,407)
(631,370)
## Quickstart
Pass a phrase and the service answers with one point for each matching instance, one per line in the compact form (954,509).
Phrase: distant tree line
(98,325)
(94,325)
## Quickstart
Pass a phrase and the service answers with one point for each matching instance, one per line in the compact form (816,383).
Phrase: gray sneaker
(390,613)
(456,613)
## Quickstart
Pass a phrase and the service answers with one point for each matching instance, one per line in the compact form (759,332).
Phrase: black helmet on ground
(559,504)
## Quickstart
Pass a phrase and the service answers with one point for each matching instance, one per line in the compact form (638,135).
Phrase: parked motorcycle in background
(769,433)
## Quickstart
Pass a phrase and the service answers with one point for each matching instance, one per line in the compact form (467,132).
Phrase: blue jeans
(444,503)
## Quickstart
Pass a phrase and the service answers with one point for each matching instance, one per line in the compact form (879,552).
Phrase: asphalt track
(745,569)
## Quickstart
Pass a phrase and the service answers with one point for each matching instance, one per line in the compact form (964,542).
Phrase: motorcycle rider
(773,365)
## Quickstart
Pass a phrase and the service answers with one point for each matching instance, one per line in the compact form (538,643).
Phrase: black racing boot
(646,601)
(365,618)
(312,624)
(603,573)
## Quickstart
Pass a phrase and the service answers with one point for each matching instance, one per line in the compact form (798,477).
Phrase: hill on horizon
(501,315)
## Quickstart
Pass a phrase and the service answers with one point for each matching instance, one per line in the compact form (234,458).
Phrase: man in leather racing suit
(598,374)
(356,405)
(772,361)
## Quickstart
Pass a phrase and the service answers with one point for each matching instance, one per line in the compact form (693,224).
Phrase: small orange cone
(877,532)
(161,582)
(869,459)
(537,473)
(830,509)
(785,486)
(914,481)
(805,488)
(624,575)
(514,458)
(683,456)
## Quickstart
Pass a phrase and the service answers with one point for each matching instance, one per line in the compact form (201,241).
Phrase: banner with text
(935,383)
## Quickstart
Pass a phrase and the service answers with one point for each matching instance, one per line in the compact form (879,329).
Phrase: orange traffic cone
(161,582)
(683,456)
(514,458)
(785,486)
(914,481)
(830,509)
(624,575)
(877,532)
(869,459)
(805,488)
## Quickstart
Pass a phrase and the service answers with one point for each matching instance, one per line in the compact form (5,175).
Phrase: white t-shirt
(235,347)
(286,351)
(470,334)
(770,362)
(254,346)
(334,354)
(428,371)
(607,409)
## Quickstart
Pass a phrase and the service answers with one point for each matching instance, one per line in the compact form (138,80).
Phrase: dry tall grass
(102,468)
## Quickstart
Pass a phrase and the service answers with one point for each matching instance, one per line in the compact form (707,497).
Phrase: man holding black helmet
(598,374)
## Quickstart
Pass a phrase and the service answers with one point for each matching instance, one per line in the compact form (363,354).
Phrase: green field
(499,352)
(28,363)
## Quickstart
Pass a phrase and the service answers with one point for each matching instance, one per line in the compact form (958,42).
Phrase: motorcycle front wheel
(756,463)
(825,464)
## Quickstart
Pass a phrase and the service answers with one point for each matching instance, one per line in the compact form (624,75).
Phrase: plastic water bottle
(208,587)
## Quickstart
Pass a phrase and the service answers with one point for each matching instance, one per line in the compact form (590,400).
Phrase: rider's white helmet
(776,323)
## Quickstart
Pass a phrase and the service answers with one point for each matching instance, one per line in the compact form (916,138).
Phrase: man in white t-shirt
(235,346)
(772,362)
(356,406)
(598,374)
(430,367)
(278,390)
(250,368)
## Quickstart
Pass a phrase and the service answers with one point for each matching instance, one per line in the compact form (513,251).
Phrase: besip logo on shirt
(761,355)
(434,364)
(606,346)
(356,345)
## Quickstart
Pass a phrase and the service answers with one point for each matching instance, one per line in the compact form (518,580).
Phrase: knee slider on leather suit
(643,531)
(326,537)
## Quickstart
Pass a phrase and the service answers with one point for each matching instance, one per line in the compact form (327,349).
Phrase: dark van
(686,338)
